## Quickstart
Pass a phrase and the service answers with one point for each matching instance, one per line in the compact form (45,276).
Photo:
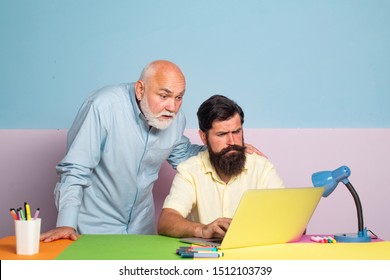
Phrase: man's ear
(203,137)
(139,89)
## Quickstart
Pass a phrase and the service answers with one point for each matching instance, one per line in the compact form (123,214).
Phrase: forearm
(171,223)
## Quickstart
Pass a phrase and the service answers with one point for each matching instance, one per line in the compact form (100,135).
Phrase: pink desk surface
(306,238)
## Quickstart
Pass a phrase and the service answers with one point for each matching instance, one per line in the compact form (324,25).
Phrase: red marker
(13,213)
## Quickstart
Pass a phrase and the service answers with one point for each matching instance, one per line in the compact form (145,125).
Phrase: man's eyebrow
(168,91)
(229,131)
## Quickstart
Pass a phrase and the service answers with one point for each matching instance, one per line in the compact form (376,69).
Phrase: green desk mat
(122,247)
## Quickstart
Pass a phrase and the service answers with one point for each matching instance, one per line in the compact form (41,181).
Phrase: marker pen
(317,239)
(327,239)
(13,213)
(28,212)
(199,248)
(331,239)
(201,255)
(21,215)
(36,214)
(204,248)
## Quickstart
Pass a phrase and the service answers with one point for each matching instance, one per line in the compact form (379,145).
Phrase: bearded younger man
(208,187)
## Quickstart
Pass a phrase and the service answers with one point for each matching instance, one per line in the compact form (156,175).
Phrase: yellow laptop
(270,216)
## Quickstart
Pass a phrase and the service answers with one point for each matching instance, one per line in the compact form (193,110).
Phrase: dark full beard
(229,164)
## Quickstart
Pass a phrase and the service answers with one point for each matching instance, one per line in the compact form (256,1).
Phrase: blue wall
(281,60)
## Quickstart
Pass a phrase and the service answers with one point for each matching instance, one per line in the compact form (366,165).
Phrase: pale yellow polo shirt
(199,194)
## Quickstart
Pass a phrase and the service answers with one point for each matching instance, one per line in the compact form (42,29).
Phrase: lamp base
(352,237)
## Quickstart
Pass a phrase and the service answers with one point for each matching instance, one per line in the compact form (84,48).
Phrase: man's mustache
(230,148)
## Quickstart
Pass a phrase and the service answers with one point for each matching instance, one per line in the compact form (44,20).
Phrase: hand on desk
(59,233)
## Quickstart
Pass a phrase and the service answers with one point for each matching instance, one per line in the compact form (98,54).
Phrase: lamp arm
(358,205)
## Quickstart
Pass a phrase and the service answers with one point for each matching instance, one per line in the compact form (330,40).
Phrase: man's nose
(171,105)
(230,139)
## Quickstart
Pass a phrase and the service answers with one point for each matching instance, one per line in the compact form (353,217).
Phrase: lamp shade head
(330,179)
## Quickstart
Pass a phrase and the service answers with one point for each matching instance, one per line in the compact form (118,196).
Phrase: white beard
(153,120)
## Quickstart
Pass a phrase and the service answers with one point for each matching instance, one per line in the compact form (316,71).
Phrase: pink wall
(28,159)
(27,173)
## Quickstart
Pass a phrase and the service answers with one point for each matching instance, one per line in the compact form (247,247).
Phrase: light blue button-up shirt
(113,160)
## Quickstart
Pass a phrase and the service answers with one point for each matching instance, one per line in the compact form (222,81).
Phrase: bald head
(161,69)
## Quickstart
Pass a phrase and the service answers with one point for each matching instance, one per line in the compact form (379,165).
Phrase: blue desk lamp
(330,180)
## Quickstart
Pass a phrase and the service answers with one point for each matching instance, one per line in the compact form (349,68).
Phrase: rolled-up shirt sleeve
(183,150)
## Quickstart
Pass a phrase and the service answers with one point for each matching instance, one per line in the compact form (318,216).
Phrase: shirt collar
(137,112)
